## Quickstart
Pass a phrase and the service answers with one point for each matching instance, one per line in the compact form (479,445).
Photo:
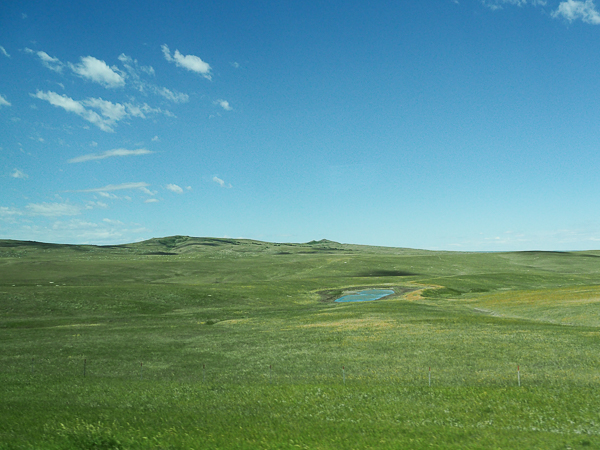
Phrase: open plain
(208,343)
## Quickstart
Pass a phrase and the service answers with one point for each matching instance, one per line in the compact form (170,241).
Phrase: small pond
(365,296)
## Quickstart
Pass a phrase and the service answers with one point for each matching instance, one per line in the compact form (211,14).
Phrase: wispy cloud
(135,72)
(98,71)
(86,232)
(70,105)
(8,212)
(110,153)
(221,182)
(48,61)
(110,113)
(151,200)
(4,52)
(90,68)
(77,231)
(114,112)
(107,195)
(497,4)
(175,97)
(112,221)
(120,187)
(19,174)
(94,205)
(52,209)
(133,68)
(3,101)
(189,62)
(223,104)
(174,188)
(573,10)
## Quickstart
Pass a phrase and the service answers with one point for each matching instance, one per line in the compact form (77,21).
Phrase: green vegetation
(177,335)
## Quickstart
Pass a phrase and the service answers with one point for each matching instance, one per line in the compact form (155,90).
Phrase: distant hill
(187,245)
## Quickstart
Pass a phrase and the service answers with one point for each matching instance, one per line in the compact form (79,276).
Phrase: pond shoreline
(331,295)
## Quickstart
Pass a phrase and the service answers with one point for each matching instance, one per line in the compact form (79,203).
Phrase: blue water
(365,296)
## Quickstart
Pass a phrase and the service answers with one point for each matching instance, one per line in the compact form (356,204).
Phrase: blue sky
(455,125)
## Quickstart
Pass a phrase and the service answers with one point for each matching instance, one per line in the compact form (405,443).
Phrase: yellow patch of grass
(417,295)
(567,306)
(233,321)
(550,297)
(353,324)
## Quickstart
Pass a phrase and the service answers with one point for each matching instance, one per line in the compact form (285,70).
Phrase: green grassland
(227,343)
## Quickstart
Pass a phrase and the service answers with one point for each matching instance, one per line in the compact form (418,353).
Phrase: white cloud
(77,231)
(70,105)
(133,67)
(119,187)
(189,62)
(148,191)
(174,188)
(497,4)
(155,139)
(223,104)
(98,71)
(572,10)
(107,195)
(110,153)
(149,70)
(110,113)
(48,61)
(113,222)
(18,174)
(151,200)
(175,97)
(221,182)
(9,212)
(135,72)
(4,52)
(52,209)
(3,101)
(92,205)
(80,231)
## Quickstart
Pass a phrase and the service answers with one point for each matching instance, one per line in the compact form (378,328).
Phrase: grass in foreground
(208,317)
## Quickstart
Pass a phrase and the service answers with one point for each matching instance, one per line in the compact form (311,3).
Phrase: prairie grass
(207,343)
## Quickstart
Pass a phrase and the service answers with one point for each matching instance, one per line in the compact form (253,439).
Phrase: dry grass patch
(354,324)
(567,306)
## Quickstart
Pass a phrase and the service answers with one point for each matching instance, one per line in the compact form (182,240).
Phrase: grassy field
(220,343)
